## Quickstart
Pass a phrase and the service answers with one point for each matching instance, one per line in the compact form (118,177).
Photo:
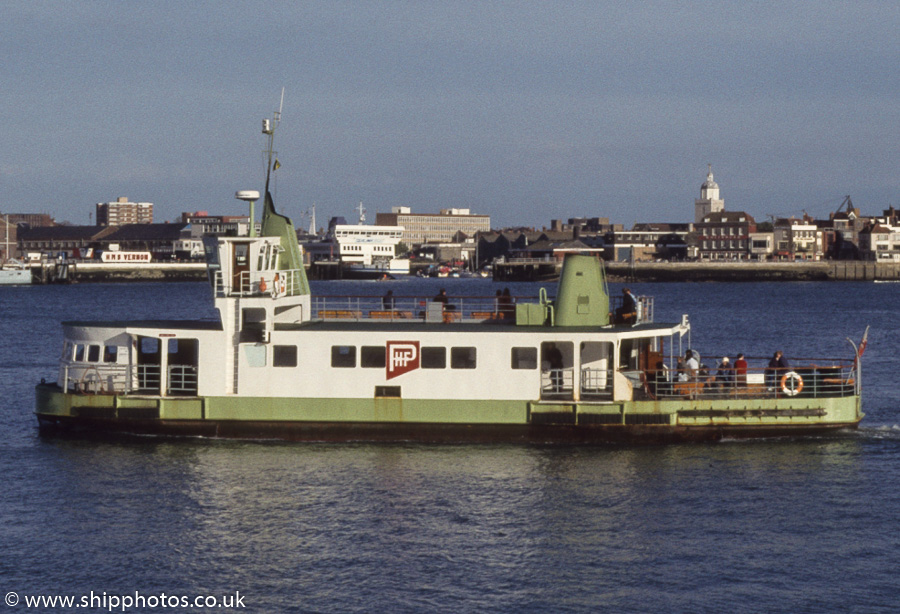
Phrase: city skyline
(525,112)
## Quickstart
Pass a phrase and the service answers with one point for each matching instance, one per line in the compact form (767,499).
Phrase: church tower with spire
(709,201)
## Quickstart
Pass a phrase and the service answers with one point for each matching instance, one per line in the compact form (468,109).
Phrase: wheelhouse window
(372,356)
(110,353)
(433,358)
(343,356)
(284,355)
(524,358)
(79,352)
(462,358)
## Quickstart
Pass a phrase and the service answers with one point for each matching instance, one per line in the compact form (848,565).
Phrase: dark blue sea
(802,525)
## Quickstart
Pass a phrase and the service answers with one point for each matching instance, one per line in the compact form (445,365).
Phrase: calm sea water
(808,525)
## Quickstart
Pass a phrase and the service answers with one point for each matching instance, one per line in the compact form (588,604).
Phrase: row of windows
(724,244)
(374,357)
(81,352)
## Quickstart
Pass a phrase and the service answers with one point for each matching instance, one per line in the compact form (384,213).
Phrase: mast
(269,126)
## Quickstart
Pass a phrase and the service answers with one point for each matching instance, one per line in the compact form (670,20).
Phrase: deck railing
(814,380)
(811,380)
(182,379)
(250,283)
(413,308)
(96,379)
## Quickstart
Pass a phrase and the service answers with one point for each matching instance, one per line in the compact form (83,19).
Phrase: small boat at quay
(574,368)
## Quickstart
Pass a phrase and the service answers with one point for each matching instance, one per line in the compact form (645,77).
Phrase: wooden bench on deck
(391,315)
(340,314)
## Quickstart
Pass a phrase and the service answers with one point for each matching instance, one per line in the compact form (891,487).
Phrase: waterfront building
(123,212)
(421,228)
(880,242)
(29,219)
(75,241)
(798,239)
(709,201)
(762,245)
(202,224)
(725,235)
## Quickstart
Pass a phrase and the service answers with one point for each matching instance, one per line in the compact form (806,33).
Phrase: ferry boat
(280,363)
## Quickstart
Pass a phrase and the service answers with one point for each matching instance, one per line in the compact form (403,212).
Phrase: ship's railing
(112,379)
(414,308)
(557,383)
(182,379)
(95,378)
(257,283)
(822,378)
(148,378)
(596,384)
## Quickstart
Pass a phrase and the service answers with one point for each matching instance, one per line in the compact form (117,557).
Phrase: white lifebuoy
(791,383)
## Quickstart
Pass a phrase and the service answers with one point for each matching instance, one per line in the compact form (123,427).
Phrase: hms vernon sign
(402,357)
(125,256)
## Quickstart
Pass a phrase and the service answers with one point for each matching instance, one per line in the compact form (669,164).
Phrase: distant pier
(843,270)
(828,270)
(524,270)
(50,272)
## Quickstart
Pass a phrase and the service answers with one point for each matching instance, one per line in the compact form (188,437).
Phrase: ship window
(79,352)
(110,353)
(524,358)
(434,358)
(343,356)
(284,355)
(149,345)
(372,356)
(462,358)
(67,350)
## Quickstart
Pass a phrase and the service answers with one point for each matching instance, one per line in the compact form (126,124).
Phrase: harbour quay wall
(844,270)
(86,272)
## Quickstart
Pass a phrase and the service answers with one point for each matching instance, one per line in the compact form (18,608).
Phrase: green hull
(443,420)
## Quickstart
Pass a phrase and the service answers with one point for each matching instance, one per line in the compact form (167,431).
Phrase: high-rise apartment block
(123,212)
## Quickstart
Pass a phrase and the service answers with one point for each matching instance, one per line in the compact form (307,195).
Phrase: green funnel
(582,298)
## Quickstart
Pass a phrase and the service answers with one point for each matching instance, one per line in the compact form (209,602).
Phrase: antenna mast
(268,129)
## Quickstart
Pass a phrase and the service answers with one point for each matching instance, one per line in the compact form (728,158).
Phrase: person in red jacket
(740,371)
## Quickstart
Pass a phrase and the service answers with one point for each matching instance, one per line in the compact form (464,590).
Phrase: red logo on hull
(402,357)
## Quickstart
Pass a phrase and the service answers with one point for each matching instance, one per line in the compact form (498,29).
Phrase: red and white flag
(862,344)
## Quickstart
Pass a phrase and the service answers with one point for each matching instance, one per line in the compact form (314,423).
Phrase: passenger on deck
(505,304)
(554,359)
(777,365)
(725,374)
(627,313)
(387,301)
(740,371)
(442,297)
(689,368)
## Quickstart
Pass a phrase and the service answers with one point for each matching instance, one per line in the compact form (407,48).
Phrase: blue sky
(526,111)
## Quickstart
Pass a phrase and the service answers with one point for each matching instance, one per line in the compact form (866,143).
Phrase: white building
(709,201)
